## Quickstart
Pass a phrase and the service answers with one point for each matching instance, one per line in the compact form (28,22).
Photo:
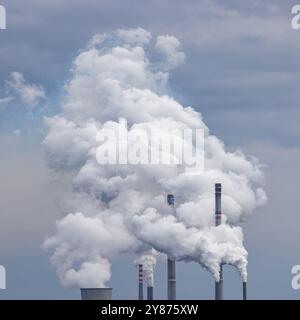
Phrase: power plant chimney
(171,279)
(141,282)
(149,293)
(244,290)
(171,262)
(96,294)
(218,213)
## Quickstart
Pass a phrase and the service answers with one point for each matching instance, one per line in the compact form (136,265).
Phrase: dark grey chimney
(149,293)
(171,262)
(244,290)
(218,213)
(141,282)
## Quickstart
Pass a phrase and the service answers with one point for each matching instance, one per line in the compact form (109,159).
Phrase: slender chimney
(149,293)
(244,290)
(171,263)
(218,213)
(141,282)
(96,294)
(219,286)
(218,204)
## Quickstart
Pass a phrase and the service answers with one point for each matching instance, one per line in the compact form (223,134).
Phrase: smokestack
(141,282)
(219,286)
(244,290)
(149,293)
(171,279)
(96,294)
(171,262)
(218,213)
(218,204)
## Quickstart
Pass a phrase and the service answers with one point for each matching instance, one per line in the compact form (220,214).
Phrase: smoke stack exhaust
(171,262)
(218,213)
(150,293)
(219,286)
(141,282)
(96,294)
(244,290)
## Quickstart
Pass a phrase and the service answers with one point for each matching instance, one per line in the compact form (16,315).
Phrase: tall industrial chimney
(141,282)
(244,290)
(96,294)
(171,262)
(149,293)
(218,213)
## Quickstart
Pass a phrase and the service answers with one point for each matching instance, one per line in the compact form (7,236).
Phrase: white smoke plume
(148,260)
(170,47)
(122,208)
(210,247)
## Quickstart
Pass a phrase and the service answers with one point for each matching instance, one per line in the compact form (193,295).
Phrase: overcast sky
(242,72)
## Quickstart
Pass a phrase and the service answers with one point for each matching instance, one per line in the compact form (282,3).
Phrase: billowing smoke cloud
(170,47)
(209,247)
(122,208)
